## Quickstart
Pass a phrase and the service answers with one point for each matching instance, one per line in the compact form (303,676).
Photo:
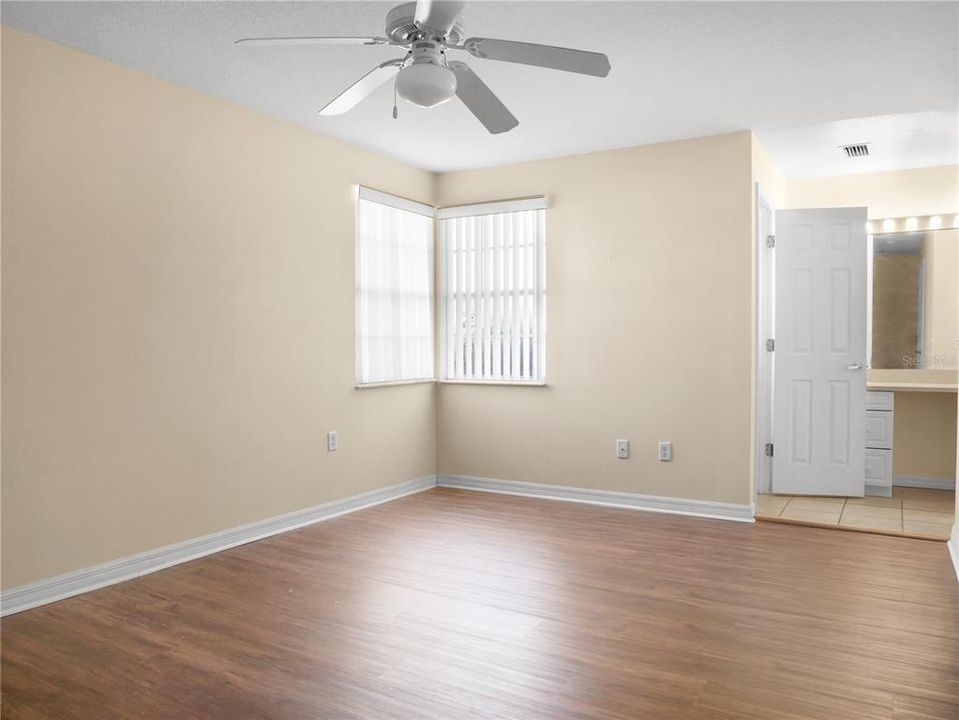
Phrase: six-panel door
(819,388)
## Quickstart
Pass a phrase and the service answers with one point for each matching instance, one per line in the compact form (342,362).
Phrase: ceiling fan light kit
(427,30)
(426,81)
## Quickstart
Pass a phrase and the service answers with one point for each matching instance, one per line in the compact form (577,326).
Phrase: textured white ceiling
(679,69)
(895,142)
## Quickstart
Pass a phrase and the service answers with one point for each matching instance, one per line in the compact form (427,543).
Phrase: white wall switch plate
(622,449)
(666,451)
(331,441)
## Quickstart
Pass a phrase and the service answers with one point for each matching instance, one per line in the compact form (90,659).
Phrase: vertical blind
(394,288)
(493,286)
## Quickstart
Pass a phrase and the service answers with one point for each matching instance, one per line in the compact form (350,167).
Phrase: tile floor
(909,510)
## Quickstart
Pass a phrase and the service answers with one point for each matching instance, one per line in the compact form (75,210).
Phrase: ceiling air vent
(854,151)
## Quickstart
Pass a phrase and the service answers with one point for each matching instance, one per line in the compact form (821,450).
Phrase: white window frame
(539,291)
(400,203)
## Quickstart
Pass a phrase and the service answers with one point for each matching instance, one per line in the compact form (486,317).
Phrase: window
(493,287)
(394,289)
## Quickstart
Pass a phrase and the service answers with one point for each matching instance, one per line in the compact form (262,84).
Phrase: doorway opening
(868,444)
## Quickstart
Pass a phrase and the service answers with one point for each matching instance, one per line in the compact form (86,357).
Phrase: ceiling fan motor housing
(402,29)
(426,81)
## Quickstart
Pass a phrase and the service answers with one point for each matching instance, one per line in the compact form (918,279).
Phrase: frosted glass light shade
(426,84)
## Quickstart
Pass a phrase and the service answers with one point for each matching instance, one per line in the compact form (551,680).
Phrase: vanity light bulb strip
(916,223)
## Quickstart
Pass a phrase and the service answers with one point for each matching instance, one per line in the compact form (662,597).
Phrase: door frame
(763,360)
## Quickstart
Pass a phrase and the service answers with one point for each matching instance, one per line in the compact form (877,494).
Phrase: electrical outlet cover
(666,451)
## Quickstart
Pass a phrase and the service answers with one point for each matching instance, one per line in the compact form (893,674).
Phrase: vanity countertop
(912,386)
(912,380)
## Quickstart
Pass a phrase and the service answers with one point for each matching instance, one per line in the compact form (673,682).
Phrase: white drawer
(879,467)
(880,400)
(879,429)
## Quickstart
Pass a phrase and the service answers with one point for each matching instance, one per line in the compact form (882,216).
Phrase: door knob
(853,367)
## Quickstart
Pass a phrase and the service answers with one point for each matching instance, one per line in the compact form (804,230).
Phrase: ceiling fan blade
(320,40)
(547,56)
(438,15)
(362,88)
(481,101)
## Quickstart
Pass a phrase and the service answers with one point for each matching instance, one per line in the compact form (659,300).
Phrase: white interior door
(819,388)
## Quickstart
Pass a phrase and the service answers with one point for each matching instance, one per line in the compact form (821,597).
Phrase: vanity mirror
(913,300)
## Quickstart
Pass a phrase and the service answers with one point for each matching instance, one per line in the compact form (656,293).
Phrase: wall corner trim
(611,498)
(953,545)
(98,576)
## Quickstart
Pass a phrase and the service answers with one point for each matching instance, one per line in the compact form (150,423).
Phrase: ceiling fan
(427,29)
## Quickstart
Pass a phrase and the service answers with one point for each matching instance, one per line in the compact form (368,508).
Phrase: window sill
(393,383)
(508,383)
(504,383)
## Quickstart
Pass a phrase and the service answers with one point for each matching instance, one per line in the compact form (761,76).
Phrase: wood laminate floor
(454,604)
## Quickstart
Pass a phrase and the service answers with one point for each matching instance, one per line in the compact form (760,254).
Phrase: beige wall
(177,332)
(899,193)
(941,322)
(764,170)
(648,326)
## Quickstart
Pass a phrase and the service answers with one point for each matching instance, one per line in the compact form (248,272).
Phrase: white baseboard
(953,546)
(98,576)
(924,482)
(650,503)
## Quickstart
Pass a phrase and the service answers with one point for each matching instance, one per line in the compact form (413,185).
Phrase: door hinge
(769,449)
(770,241)
(770,345)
